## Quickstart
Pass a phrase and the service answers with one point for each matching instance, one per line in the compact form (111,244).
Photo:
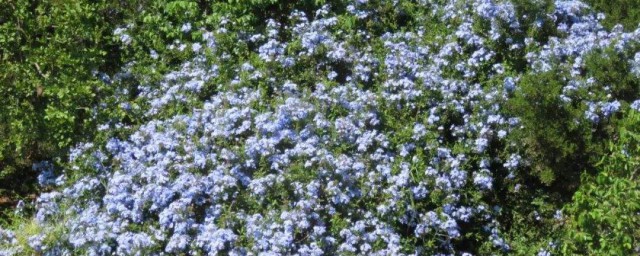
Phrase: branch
(40,71)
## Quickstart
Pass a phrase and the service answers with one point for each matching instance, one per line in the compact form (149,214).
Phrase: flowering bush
(369,127)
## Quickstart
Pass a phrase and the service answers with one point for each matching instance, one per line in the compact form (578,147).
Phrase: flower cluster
(390,146)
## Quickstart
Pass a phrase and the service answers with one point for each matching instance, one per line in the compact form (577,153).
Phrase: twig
(40,71)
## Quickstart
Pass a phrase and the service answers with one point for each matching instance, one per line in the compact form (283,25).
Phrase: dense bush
(623,12)
(330,127)
(603,217)
(51,53)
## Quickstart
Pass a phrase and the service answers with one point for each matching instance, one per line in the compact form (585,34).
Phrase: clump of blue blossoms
(270,165)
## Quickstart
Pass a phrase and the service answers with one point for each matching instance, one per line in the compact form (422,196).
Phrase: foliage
(550,134)
(50,51)
(603,215)
(623,12)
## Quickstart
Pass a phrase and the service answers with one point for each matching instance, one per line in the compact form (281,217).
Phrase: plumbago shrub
(366,127)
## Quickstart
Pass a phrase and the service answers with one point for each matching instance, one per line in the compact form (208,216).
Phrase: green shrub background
(49,51)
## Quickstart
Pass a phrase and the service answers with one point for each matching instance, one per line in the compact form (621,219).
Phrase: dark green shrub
(557,133)
(625,12)
(603,217)
(570,153)
(49,52)
(560,146)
